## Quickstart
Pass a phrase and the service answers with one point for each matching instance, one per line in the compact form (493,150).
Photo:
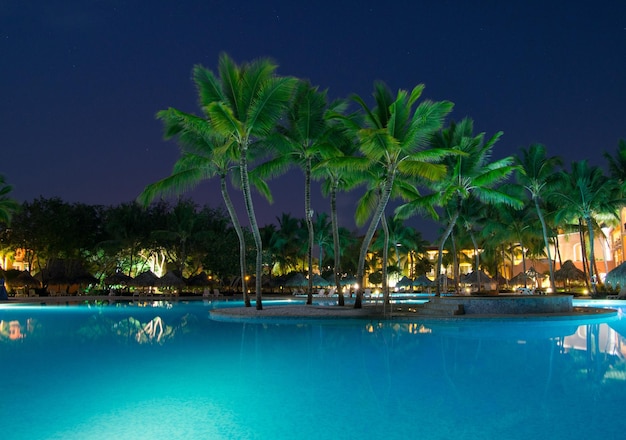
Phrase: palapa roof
(118,278)
(404,282)
(472,278)
(569,272)
(423,281)
(318,281)
(59,271)
(145,279)
(25,279)
(296,280)
(170,279)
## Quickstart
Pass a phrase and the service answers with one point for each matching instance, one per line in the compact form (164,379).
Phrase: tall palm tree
(243,106)
(537,174)
(469,172)
(8,206)
(335,179)
(300,140)
(204,155)
(393,142)
(587,193)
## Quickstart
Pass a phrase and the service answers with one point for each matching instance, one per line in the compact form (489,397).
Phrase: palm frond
(495,196)
(269,105)
(427,118)
(224,121)
(421,205)
(366,206)
(422,169)
(208,86)
(230,77)
(175,184)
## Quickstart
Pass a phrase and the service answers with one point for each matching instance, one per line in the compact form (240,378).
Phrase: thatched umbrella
(83,278)
(530,276)
(145,279)
(423,281)
(569,272)
(318,281)
(170,279)
(617,276)
(404,282)
(472,278)
(117,279)
(348,280)
(296,280)
(25,279)
(199,280)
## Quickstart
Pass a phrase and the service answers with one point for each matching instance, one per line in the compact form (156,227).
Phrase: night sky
(81,80)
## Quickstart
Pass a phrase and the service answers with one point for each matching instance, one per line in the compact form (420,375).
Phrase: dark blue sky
(82,80)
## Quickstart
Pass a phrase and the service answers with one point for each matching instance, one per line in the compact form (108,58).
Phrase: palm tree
(587,193)
(537,175)
(393,142)
(335,179)
(8,206)
(243,107)
(204,155)
(469,172)
(300,140)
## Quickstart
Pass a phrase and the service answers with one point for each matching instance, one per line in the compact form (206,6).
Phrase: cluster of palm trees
(256,124)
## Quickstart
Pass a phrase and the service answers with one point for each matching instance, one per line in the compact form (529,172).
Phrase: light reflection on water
(168,371)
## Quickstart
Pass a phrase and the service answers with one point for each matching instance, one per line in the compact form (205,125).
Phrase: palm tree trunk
(337,251)
(383,222)
(245,187)
(456,275)
(583,249)
(477,259)
(524,264)
(395,248)
(546,243)
(380,209)
(309,227)
(242,241)
(442,242)
(592,257)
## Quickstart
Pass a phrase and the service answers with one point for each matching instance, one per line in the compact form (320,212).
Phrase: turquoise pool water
(167,371)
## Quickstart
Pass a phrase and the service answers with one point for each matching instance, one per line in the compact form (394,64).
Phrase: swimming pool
(166,370)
